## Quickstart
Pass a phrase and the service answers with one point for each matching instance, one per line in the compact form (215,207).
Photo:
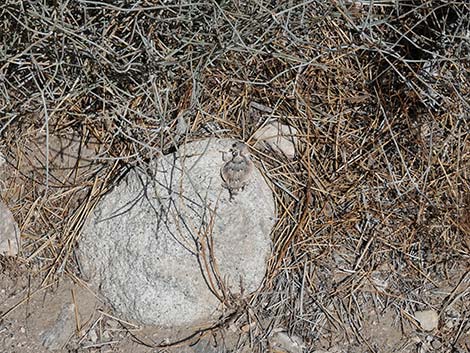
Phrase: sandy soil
(68,317)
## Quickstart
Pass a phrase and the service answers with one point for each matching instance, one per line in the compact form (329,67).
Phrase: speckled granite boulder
(161,248)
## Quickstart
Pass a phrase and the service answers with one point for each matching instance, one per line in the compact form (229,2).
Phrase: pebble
(436,344)
(93,336)
(9,232)
(279,137)
(428,319)
(56,336)
(282,342)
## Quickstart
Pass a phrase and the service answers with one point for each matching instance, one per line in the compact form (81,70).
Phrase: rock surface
(428,319)
(281,342)
(281,138)
(9,232)
(148,245)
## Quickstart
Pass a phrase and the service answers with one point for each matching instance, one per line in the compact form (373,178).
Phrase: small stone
(9,232)
(436,344)
(282,342)
(2,159)
(281,138)
(93,336)
(449,324)
(57,336)
(246,328)
(260,107)
(181,124)
(428,319)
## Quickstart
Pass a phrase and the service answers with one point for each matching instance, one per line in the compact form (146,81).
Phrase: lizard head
(239,148)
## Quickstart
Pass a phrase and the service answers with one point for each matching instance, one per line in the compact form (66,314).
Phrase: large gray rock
(148,245)
(9,232)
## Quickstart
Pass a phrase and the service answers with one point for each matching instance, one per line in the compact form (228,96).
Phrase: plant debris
(378,191)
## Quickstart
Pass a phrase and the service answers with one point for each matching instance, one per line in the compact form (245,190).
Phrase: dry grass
(380,93)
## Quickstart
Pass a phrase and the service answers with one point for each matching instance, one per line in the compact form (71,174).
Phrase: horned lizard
(237,169)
